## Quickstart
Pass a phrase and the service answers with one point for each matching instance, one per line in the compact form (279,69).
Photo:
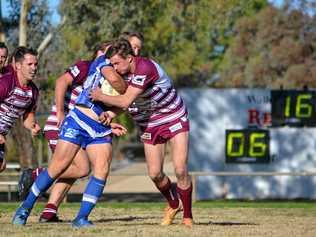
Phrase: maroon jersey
(6,69)
(15,100)
(159,103)
(79,72)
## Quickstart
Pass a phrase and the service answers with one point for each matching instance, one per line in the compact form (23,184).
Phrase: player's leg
(62,157)
(62,186)
(179,148)
(100,156)
(154,157)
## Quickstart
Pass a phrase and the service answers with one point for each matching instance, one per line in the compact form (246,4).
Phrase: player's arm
(61,86)
(31,124)
(115,80)
(106,117)
(122,101)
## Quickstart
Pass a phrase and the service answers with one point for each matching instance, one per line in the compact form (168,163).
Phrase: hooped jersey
(94,80)
(159,103)
(15,101)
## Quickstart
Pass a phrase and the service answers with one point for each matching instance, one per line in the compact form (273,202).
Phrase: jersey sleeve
(6,86)
(79,72)
(145,75)
(33,105)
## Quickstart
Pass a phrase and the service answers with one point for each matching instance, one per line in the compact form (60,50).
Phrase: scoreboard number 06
(247,146)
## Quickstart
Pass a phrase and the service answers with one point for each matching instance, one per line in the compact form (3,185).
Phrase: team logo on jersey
(71,133)
(139,80)
(175,127)
(146,136)
(74,71)
(184,119)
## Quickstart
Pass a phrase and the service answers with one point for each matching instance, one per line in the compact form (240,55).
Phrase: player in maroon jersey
(161,115)
(18,96)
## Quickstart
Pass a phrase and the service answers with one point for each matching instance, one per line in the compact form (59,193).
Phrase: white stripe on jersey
(88,128)
(20,92)
(165,119)
(159,104)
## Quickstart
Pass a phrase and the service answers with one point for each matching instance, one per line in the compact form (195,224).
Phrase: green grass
(8,207)
(212,218)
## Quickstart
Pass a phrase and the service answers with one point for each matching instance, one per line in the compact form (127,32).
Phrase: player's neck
(133,65)
(22,80)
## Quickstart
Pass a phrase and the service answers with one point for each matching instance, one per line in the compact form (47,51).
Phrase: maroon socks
(169,192)
(186,199)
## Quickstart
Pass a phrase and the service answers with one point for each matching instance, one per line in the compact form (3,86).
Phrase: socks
(49,211)
(36,172)
(41,184)
(90,197)
(169,192)
(186,198)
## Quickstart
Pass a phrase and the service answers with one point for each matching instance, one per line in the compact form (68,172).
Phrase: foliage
(187,37)
(272,49)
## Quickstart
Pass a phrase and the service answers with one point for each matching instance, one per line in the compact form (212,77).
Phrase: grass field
(215,218)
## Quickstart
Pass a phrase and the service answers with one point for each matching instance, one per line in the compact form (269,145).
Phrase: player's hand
(60,118)
(96,94)
(3,165)
(35,129)
(118,129)
(2,139)
(106,118)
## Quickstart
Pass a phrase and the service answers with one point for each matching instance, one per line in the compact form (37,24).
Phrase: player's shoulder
(144,66)
(33,86)
(8,78)
(79,66)
(82,63)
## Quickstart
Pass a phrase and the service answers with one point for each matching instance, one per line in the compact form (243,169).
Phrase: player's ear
(130,58)
(18,65)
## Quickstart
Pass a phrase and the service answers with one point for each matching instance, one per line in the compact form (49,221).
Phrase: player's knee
(156,176)
(181,173)
(84,172)
(102,169)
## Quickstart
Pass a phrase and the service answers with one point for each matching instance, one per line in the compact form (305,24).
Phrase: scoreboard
(295,108)
(247,145)
(252,130)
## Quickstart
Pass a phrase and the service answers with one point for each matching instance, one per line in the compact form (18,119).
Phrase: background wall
(211,112)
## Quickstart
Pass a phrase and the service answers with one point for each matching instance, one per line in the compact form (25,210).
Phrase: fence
(13,172)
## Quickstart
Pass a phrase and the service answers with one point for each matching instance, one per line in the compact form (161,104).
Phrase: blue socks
(90,197)
(41,184)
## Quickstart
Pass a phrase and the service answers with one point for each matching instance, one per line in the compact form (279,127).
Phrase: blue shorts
(80,129)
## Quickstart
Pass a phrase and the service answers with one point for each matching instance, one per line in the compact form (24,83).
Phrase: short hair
(128,34)
(121,47)
(101,47)
(3,46)
(21,51)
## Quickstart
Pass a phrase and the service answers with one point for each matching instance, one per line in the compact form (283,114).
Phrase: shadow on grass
(126,219)
(228,223)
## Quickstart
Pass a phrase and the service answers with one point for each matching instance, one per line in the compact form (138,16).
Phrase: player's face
(136,45)
(28,67)
(120,64)
(3,56)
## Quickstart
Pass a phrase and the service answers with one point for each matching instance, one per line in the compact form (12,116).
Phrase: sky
(53,6)
(55,17)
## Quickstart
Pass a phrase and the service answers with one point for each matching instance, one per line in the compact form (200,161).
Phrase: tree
(271,49)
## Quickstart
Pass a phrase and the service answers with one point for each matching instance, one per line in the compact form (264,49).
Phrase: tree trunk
(2,34)
(25,7)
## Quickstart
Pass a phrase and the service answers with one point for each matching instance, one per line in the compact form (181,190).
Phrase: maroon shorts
(161,134)
(52,138)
